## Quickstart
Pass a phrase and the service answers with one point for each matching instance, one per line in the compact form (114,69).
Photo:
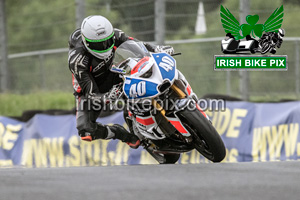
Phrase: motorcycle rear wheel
(206,141)
(171,158)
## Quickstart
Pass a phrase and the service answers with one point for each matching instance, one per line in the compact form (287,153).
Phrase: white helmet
(98,36)
(281,32)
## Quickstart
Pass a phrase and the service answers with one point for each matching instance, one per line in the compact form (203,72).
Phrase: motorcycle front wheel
(206,139)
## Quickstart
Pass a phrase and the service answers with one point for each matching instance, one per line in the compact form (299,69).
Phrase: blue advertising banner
(250,131)
(259,131)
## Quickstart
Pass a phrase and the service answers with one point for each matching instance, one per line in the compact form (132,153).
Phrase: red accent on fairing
(129,113)
(189,89)
(130,38)
(203,113)
(146,122)
(137,66)
(178,126)
(87,138)
(76,86)
(115,48)
(91,68)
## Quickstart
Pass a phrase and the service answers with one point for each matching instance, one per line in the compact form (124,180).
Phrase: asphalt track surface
(272,180)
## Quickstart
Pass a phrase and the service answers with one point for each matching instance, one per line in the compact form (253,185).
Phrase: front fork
(158,107)
(162,111)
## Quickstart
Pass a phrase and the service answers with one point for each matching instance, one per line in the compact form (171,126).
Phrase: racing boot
(93,132)
(117,131)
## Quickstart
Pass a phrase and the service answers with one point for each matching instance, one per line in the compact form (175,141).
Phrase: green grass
(274,98)
(15,104)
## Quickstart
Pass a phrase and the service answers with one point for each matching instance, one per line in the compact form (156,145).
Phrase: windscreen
(130,49)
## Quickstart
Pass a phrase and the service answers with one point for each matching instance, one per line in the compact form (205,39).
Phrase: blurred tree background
(38,25)
(43,25)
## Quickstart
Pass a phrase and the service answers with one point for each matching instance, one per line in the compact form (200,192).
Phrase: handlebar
(176,54)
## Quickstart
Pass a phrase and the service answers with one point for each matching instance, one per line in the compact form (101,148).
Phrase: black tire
(265,48)
(207,141)
(171,158)
(273,51)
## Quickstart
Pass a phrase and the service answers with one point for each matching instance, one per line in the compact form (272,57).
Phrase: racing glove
(166,49)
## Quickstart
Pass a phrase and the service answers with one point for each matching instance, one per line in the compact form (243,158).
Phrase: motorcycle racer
(160,107)
(275,38)
(91,53)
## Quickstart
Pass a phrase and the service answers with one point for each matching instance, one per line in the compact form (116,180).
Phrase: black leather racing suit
(92,78)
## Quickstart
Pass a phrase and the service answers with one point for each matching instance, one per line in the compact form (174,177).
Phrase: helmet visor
(101,46)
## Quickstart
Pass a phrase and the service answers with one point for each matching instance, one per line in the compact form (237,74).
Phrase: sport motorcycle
(161,108)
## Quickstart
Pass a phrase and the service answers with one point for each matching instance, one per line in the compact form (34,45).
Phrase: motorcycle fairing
(166,65)
(164,68)
(147,126)
(135,88)
(179,126)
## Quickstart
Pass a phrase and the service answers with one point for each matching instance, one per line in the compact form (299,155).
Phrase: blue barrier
(250,131)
